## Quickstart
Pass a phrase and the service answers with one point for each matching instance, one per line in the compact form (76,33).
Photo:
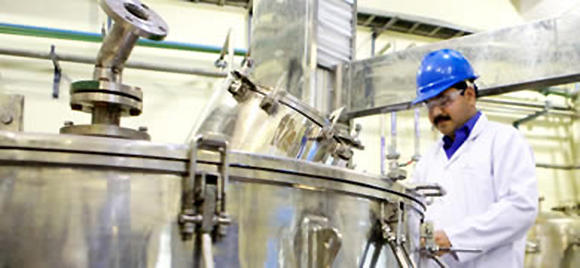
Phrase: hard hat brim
(438,89)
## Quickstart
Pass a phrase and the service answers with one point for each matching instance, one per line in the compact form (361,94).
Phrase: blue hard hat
(440,70)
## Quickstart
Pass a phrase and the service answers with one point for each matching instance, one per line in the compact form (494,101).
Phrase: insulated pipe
(91,60)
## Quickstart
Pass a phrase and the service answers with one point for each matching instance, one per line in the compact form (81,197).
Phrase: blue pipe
(17,29)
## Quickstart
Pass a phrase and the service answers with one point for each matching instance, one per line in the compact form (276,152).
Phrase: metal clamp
(238,84)
(204,199)
(271,101)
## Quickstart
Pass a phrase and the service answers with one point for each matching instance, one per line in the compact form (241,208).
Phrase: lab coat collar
(480,125)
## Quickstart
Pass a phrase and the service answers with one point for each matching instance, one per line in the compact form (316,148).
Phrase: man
(486,168)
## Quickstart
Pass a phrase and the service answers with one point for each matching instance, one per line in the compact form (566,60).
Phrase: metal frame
(381,21)
(528,56)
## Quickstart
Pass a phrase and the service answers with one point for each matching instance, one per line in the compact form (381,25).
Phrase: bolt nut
(7,119)
(143,129)
(68,123)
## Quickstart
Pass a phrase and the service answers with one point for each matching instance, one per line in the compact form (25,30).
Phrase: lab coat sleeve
(515,209)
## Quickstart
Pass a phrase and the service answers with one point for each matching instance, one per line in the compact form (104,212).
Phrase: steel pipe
(417,154)
(530,117)
(552,166)
(91,60)
(26,30)
(504,109)
(525,104)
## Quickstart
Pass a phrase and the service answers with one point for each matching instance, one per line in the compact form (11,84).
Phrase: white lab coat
(491,198)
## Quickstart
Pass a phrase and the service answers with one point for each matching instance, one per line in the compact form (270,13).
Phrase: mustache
(440,118)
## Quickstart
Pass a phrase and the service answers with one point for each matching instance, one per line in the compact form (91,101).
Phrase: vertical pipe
(393,147)
(374,36)
(106,115)
(382,116)
(383,152)
(249,31)
(231,52)
(206,247)
(417,154)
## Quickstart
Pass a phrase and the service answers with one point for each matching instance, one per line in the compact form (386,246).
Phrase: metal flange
(85,95)
(143,21)
(110,131)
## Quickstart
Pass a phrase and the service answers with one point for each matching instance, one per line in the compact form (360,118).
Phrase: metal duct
(534,55)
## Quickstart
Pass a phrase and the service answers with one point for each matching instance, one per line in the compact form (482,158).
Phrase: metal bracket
(11,112)
(239,85)
(221,62)
(204,194)
(57,73)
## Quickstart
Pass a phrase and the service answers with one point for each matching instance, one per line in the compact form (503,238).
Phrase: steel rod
(91,60)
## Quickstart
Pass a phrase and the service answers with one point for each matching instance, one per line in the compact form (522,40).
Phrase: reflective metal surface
(74,201)
(282,45)
(335,31)
(291,40)
(554,241)
(268,121)
(528,56)
(11,112)
(106,97)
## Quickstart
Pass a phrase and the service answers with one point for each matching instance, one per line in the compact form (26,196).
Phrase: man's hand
(442,241)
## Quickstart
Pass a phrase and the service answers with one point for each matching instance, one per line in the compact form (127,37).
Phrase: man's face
(450,110)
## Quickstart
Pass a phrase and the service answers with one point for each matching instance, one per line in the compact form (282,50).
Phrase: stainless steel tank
(100,195)
(267,120)
(79,201)
(554,241)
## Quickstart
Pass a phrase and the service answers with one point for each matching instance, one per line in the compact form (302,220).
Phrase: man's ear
(470,94)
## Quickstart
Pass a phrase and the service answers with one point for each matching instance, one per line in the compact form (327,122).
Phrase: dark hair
(463,86)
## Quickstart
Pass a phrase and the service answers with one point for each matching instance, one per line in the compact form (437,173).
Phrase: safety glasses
(443,100)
